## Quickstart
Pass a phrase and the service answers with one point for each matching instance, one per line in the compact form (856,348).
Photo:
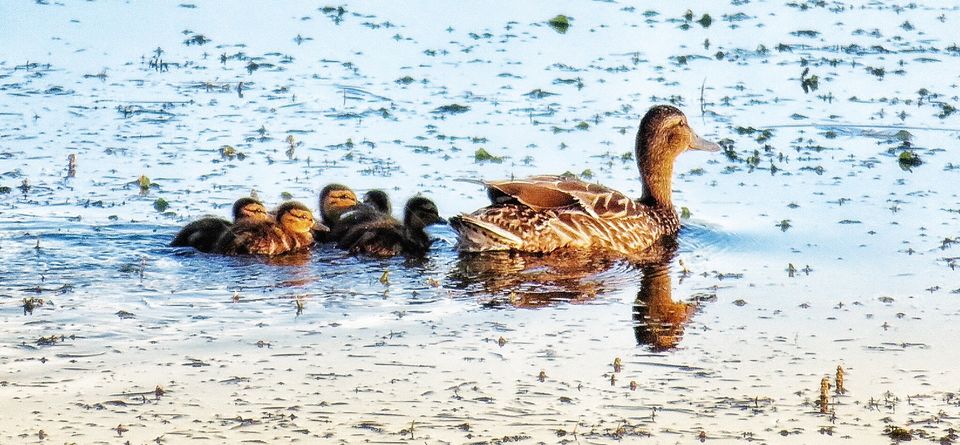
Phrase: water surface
(812,241)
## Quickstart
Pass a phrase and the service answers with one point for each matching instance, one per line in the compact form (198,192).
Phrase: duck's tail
(477,235)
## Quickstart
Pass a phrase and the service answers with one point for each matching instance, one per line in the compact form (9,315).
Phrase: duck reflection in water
(658,320)
(526,280)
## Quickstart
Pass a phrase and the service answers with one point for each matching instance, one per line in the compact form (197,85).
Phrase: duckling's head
(295,217)
(664,133)
(421,212)
(335,199)
(378,200)
(249,209)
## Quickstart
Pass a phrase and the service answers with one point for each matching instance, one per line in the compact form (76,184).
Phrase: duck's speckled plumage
(546,213)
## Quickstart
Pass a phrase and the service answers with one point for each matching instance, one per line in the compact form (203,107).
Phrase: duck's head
(378,200)
(295,217)
(335,199)
(664,133)
(249,209)
(421,212)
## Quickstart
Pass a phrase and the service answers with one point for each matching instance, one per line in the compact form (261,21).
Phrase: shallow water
(809,244)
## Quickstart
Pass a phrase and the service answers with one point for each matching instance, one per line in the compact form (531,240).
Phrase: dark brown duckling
(375,206)
(204,233)
(386,237)
(379,200)
(290,232)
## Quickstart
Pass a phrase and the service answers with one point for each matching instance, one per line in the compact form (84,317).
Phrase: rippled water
(813,241)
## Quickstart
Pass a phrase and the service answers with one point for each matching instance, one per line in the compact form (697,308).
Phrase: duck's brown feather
(609,221)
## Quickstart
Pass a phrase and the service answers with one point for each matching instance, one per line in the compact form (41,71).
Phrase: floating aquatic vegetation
(161,205)
(897,433)
(29,304)
(196,39)
(539,94)
(908,159)
(809,83)
(482,155)
(451,109)
(560,23)
(144,183)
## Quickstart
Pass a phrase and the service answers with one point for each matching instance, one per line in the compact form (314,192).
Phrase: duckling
(375,205)
(203,233)
(290,232)
(386,237)
(379,200)
(335,200)
(546,213)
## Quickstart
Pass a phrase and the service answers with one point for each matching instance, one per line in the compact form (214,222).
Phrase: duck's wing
(548,192)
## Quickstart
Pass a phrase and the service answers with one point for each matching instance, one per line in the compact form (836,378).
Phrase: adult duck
(204,233)
(546,213)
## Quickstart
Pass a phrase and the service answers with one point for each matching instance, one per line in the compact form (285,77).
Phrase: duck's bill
(700,143)
(442,220)
(319,227)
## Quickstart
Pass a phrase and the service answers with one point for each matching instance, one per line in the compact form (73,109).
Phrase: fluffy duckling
(335,200)
(375,206)
(546,213)
(204,233)
(385,236)
(379,200)
(290,232)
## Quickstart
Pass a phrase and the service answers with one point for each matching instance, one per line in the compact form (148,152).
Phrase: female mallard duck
(204,233)
(290,232)
(384,236)
(545,213)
